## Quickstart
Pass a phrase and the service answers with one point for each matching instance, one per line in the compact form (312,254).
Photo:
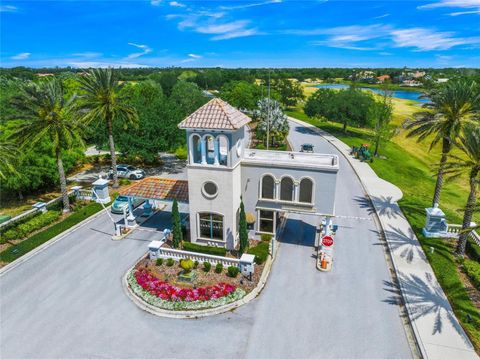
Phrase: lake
(402,94)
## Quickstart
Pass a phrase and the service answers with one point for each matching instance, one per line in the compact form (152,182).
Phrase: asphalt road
(67,302)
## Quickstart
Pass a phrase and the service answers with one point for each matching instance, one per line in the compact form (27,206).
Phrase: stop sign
(327,241)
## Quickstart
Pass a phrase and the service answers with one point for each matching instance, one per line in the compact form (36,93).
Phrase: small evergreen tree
(176,225)
(243,230)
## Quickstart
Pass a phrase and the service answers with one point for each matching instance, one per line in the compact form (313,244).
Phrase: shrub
(181,153)
(193,247)
(219,268)
(233,271)
(170,262)
(207,266)
(159,261)
(124,181)
(472,269)
(266,237)
(195,264)
(260,251)
(187,265)
(473,249)
(33,224)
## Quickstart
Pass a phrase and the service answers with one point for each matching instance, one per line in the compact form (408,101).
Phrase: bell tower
(216,142)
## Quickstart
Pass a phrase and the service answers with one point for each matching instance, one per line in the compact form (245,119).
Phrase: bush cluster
(32,225)
(219,268)
(233,271)
(193,247)
(473,249)
(260,251)
(266,237)
(207,266)
(159,262)
(170,262)
(472,269)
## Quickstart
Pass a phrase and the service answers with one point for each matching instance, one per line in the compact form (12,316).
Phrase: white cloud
(244,6)
(155,2)
(103,64)
(87,54)
(145,48)
(235,34)
(381,16)
(195,56)
(21,56)
(8,8)
(473,6)
(427,40)
(176,4)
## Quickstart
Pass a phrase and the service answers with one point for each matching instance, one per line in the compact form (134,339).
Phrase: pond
(401,94)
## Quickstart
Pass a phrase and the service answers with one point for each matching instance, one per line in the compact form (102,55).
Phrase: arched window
(223,149)
(306,190)
(286,189)
(196,149)
(268,187)
(211,225)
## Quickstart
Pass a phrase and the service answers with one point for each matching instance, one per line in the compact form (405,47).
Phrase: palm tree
(469,144)
(102,102)
(45,115)
(9,153)
(451,107)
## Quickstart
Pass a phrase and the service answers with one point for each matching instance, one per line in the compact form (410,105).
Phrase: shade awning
(158,189)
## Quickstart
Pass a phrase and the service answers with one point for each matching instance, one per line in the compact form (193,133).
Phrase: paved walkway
(438,333)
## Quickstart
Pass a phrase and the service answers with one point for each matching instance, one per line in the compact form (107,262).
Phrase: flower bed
(166,296)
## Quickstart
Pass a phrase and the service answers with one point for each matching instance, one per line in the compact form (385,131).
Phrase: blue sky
(248,33)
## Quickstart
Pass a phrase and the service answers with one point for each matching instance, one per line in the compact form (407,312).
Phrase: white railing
(456,229)
(31,211)
(84,194)
(177,255)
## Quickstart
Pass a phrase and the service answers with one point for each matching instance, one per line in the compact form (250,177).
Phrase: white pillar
(276,192)
(216,147)
(203,149)
(296,191)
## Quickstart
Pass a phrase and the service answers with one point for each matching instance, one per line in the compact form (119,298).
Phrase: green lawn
(413,174)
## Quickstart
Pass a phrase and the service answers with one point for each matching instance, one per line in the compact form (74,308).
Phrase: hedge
(34,224)
(193,247)
(473,249)
(472,270)
(27,245)
(260,251)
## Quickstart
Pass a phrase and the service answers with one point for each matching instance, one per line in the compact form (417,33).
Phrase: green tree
(241,94)
(452,106)
(176,225)
(290,91)
(380,114)
(469,144)
(7,159)
(44,114)
(102,102)
(243,233)
(187,98)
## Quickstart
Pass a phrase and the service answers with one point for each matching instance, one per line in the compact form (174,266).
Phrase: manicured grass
(260,251)
(413,173)
(31,243)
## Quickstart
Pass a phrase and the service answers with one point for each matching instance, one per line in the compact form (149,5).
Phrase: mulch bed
(170,274)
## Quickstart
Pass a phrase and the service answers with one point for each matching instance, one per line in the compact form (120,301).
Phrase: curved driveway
(67,301)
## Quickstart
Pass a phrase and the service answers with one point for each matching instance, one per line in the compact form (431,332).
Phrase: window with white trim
(266,219)
(306,191)
(211,225)
(268,187)
(286,189)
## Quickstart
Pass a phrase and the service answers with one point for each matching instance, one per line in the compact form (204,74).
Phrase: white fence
(177,255)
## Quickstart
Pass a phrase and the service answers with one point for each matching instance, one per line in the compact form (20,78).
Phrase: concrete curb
(194,314)
(48,243)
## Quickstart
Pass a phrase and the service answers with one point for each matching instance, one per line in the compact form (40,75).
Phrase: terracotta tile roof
(216,115)
(158,189)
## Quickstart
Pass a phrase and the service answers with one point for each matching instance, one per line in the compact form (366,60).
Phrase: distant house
(442,80)
(411,83)
(44,74)
(418,74)
(383,78)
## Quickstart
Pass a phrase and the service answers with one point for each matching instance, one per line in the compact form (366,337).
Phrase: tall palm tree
(451,107)
(45,115)
(469,144)
(102,101)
